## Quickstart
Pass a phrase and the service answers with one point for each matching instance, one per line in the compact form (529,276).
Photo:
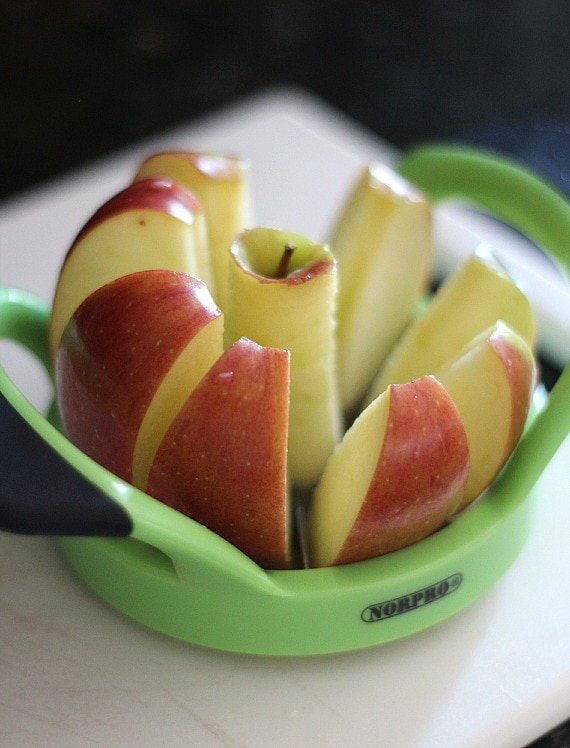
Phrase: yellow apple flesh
(152,224)
(382,243)
(396,477)
(491,383)
(223,461)
(136,346)
(472,299)
(221,184)
(295,312)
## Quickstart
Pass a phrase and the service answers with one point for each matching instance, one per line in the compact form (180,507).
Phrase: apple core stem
(285,261)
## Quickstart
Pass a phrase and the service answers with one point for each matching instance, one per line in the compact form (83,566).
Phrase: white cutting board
(73,672)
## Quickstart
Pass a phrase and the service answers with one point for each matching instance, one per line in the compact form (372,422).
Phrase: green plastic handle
(515,194)
(498,184)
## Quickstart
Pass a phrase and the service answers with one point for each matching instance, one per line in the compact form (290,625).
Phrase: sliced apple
(129,358)
(383,245)
(152,224)
(491,383)
(282,294)
(221,184)
(396,477)
(472,299)
(223,461)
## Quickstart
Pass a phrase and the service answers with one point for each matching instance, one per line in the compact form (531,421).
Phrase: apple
(227,416)
(282,294)
(223,460)
(397,476)
(473,298)
(128,359)
(382,242)
(221,184)
(152,224)
(491,383)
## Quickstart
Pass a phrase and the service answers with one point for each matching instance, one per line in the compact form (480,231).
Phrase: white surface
(75,673)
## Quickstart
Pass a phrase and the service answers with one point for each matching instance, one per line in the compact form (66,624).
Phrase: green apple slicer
(173,575)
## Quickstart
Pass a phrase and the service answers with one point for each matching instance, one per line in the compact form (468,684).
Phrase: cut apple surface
(491,383)
(282,294)
(152,224)
(223,461)
(396,477)
(472,299)
(382,242)
(128,360)
(221,184)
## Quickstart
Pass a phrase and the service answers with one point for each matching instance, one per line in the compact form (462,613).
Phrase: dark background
(80,79)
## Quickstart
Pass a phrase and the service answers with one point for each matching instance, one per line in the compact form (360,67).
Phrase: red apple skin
(154,193)
(522,380)
(223,461)
(114,353)
(422,467)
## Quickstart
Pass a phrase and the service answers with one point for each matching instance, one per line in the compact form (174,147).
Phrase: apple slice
(472,299)
(152,224)
(383,245)
(128,360)
(491,383)
(223,461)
(221,184)
(396,477)
(282,294)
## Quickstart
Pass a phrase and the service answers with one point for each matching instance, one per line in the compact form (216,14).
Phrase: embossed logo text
(406,603)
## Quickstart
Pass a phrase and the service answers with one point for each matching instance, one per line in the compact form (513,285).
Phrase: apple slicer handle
(45,488)
(516,195)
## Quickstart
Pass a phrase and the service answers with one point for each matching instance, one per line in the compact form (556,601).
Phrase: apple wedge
(491,383)
(396,477)
(221,184)
(472,299)
(152,224)
(223,461)
(282,294)
(128,360)
(383,245)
